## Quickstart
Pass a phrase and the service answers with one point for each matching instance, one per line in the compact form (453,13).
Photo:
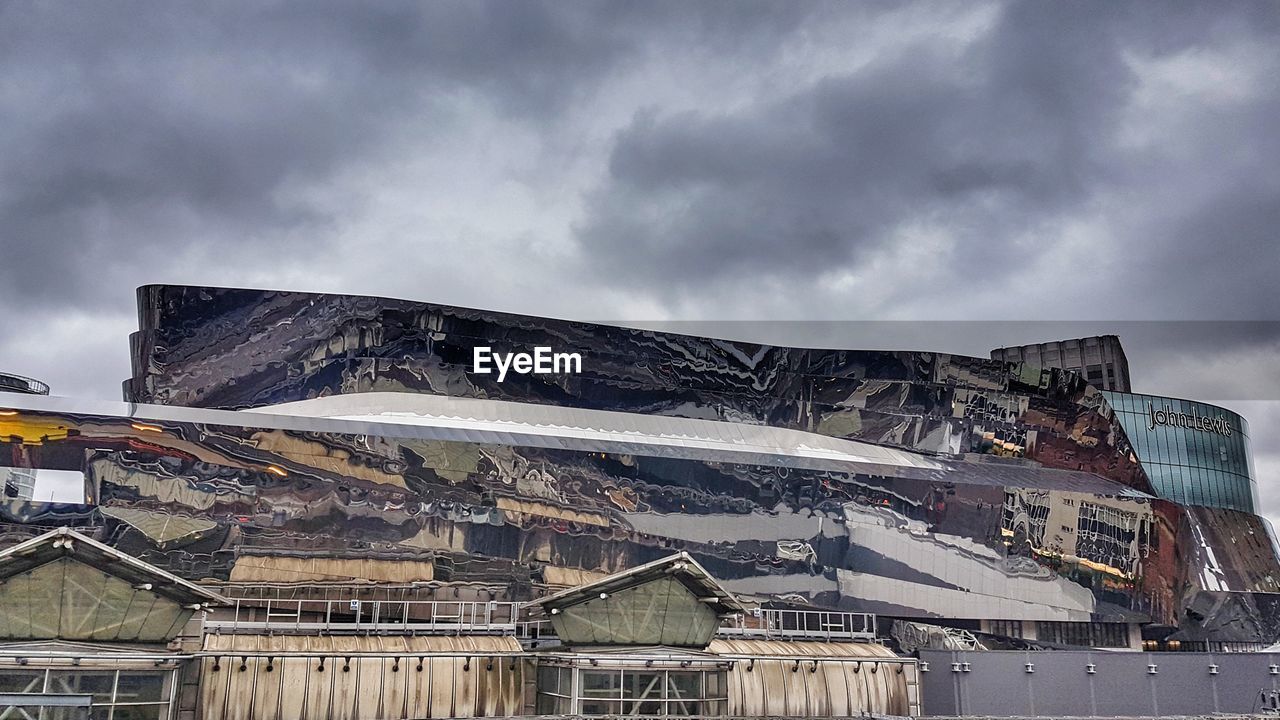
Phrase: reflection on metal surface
(914,485)
(482,514)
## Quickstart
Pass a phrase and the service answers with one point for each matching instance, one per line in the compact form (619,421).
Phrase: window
(1006,628)
(648,691)
(1084,634)
(117,695)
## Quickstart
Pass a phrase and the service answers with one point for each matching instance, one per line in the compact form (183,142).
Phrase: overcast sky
(656,162)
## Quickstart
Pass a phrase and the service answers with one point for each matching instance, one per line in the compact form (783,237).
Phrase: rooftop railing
(449,617)
(801,625)
(455,617)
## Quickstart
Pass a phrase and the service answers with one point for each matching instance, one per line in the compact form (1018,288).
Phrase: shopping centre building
(676,525)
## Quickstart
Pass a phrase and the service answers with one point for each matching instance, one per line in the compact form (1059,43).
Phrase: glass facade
(648,691)
(117,695)
(1194,453)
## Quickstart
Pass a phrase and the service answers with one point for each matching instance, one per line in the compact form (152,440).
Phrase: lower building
(87,632)
(687,526)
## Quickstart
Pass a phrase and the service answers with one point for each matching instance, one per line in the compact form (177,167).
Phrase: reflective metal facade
(497,518)
(1026,502)
(1194,453)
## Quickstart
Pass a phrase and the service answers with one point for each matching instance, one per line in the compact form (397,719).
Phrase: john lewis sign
(1168,418)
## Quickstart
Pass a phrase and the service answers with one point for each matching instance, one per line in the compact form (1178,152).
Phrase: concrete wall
(1060,683)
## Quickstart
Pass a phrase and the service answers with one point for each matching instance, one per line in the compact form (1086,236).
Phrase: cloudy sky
(1114,164)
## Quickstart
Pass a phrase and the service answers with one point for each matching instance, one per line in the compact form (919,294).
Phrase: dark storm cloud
(145,142)
(1008,136)
(135,131)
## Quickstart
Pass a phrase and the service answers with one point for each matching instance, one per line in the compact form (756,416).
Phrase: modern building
(675,525)
(1100,359)
(1193,453)
(17,482)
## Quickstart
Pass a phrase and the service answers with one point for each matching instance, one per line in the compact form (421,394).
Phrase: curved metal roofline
(525,425)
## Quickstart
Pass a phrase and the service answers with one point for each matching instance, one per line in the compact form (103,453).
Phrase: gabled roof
(681,566)
(65,542)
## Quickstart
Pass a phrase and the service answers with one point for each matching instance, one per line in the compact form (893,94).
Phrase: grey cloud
(993,136)
(141,130)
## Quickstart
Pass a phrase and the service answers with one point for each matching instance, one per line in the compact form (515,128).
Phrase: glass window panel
(140,687)
(140,712)
(98,684)
(684,685)
(643,685)
(19,712)
(20,681)
(1196,449)
(546,704)
(601,707)
(645,707)
(548,678)
(597,684)
(684,707)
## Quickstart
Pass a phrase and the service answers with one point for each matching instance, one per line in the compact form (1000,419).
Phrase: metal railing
(801,624)
(369,616)
(456,617)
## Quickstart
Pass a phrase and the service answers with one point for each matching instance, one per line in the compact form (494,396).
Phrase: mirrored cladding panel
(232,348)
(200,492)
(1020,491)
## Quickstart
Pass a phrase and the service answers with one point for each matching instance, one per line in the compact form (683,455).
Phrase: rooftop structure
(19,384)
(1100,359)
